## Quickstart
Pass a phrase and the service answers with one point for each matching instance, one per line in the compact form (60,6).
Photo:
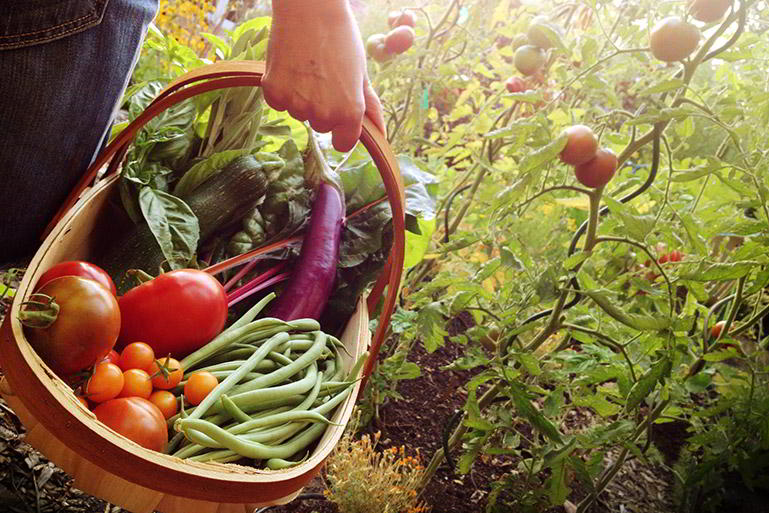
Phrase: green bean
(264,365)
(243,396)
(236,376)
(250,449)
(232,408)
(280,463)
(252,312)
(282,373)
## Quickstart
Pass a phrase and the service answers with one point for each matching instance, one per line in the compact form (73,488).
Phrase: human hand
(316,69)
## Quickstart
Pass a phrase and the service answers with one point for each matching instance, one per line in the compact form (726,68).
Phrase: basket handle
(225,74)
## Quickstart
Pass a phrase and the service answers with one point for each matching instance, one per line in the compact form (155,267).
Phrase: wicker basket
(106,464)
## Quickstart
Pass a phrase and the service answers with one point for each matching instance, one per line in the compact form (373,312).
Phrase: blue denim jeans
(64,66)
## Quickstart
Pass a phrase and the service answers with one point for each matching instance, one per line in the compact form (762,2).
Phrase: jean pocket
(32,22)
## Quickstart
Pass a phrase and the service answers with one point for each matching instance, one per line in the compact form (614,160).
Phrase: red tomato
(77,268)
(136,419)
(515,85)
(136,383)
(136,355)
(673,39)
(176,313)
(198,386)
(166,373)
(165,401)
(716,329)
(399,39)
(85,327)
(376,49)
(598,171)
(581,145)
(709,10)
(398,18)
(112,357)
(105,383)
(675,256)
(663,259)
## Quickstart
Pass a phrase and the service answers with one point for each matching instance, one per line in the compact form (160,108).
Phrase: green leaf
(173,223)
(544,154)
(205,169)
(589,51)
(529,362)
(718,271)
(636,226)
(636,321)
(557,489)
(721,355)
(663,87)
(417,245)
(526,409)
(646,383)
(430,324)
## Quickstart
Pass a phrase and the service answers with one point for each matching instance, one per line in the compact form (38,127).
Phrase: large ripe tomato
(581,145)
(598,171)
(709,10)
(529,59)
(84,330)
(77,268)
(399,39)
(673,39)
(175,313)
(376,49)
(398,18)
(136,419)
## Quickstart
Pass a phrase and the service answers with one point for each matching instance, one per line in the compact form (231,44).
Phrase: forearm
(313,10)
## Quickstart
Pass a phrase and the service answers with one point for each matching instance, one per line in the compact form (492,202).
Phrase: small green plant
(360,478)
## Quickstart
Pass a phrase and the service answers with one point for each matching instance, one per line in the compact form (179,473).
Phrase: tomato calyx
(40,312)
(139,276)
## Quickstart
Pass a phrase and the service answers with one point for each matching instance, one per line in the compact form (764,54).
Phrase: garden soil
(31,484)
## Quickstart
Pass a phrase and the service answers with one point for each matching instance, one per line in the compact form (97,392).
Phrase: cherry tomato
(675,256)
(529,59)
(376,49)
(398,18)
(716,329)
(581,145)
(85,328)
(136,419)
(198,386)
(136,355)
(84,402)
(663,258)
(78,268)
(673,39)
(399,39)
(598,171)
(137,383)
(515,85)
(709,11)
(165,401)
(112,357)
(176,313)
(166,373)
(105,383)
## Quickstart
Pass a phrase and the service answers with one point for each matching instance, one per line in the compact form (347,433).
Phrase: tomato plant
(78,268)
(175,313)
(136,419)
(72,323)
(198,386)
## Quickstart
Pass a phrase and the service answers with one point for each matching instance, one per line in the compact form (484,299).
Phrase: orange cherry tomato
(84,402)
(136,355)
(112,357)
(166,373)
(105,383)
(137,383)
(198,386)
(165,401)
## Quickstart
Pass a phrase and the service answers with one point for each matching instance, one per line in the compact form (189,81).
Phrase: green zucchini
(223,198)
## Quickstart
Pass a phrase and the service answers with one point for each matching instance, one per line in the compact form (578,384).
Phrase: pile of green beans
(279,384)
